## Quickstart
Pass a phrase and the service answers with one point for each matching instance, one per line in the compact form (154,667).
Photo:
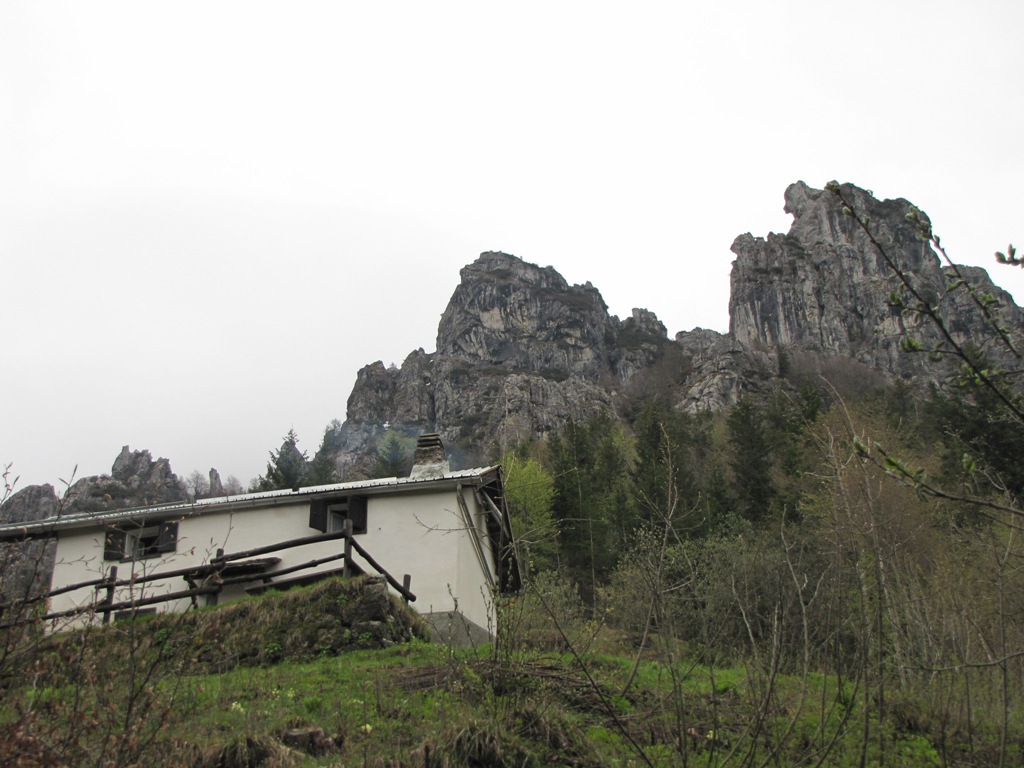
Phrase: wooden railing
(212,575)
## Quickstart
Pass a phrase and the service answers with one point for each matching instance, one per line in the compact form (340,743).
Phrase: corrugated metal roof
(268,498)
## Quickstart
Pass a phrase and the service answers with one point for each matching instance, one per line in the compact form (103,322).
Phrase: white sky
(212,214)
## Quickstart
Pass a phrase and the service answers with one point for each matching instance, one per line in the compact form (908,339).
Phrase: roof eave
(377,487)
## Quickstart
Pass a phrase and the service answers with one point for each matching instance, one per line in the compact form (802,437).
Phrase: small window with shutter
(329,515)
(141,542)
(114,544)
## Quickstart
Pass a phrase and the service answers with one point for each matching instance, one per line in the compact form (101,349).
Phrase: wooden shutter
(357,513)
(167,539)
(113,544)
(318,515)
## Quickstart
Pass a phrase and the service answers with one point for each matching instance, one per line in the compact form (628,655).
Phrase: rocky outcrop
(216,486)
(640,341)
(520,351)
(135,480)
(26,566)
(521,318)
(719,371)
(824,286)
(33,502)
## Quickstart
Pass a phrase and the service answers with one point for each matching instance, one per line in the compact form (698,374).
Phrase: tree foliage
(751,460)
(287,467)
(322,469)
(593,498)
(394,454)
(197,484)
(530,495)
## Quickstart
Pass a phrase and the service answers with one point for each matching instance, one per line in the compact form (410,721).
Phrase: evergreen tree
(593,499)
(394,453)
(751,460)
(287,467)
(322,469)
(978,432)
(786,417)
(665,467)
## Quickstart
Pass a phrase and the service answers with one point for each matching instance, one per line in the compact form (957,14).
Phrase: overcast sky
(212,214)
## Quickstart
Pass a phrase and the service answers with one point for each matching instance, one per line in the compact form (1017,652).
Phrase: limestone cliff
(135,480)
(520,351)
(521,318)
(824,287)
(26,566)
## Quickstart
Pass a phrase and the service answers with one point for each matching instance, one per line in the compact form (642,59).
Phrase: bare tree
(197,484)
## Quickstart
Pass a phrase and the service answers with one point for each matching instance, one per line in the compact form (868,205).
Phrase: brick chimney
(430,459)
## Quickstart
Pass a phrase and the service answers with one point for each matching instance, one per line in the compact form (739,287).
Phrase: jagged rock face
(383,399)
(519,352)
(639,342)
(719,371)
(825,287)
(505,410)
(520,317)
(135,480)
(216,486)
(414,402)
(963,319)
(373,393)
(26,567)
(34,502)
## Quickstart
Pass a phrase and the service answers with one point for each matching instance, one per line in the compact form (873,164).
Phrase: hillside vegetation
(824,571)
(557,688)
(757,587)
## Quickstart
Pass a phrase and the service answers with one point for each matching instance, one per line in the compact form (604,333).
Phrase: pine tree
(322,469)
(593,498)
(394,454)
(751,460)
(665,443)
(287,467)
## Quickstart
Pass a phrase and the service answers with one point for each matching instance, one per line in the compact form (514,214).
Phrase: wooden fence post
(346,570)
(214,597)
(406,582)
(109,599)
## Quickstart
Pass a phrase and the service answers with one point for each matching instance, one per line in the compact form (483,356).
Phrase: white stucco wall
(476,592)
(422,534)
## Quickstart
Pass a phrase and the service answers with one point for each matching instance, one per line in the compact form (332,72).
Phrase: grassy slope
(145,694)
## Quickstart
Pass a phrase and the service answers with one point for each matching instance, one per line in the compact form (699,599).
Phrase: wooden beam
(390,579)
(334,536)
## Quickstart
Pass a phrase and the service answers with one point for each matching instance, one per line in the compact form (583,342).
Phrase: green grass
(417,704)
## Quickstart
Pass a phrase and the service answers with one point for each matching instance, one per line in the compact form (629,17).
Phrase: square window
(329,515)
(143,543)
(337,514)
(140,541)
